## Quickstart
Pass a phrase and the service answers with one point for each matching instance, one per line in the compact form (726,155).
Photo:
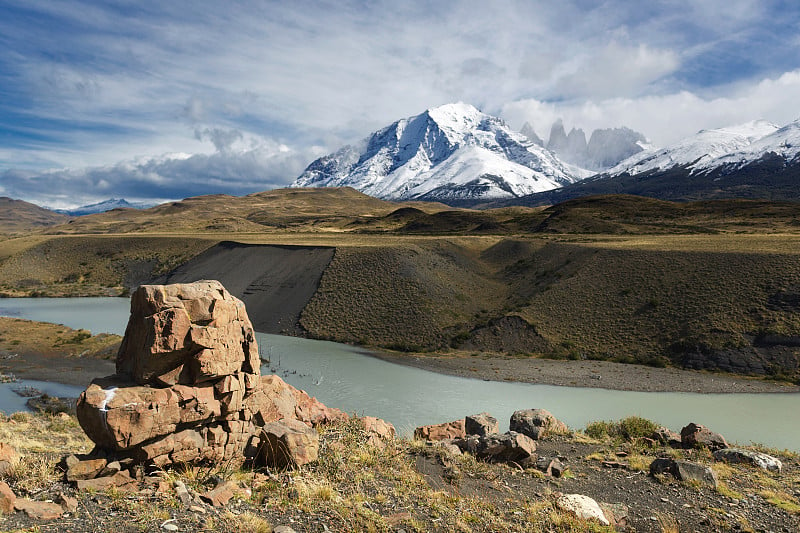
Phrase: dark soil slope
(275,282)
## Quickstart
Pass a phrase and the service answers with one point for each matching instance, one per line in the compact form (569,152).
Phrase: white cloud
(107,83)
(264,166)
(668,118)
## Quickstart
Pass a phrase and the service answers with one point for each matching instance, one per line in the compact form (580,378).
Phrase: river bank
(594,374)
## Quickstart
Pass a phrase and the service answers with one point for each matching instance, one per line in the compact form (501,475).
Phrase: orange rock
(39,510)
(436,432)
(288,443)
(7,498)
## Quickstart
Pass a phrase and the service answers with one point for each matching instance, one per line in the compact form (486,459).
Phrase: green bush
(630,428)
(635,427)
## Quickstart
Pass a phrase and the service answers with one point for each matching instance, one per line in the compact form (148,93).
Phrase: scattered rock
(684,471)
(169,525)
(67,503)
(482,424)
(582,506)
(378,431)
(697,436)
(7,498)
(738,455)
(121,480)
(551,467)
(282,529)
(668,437)
(221,494)
(508,447)
(437,432)
(288,443)
(39,510)
(85,468)
(616,513)
(536,423)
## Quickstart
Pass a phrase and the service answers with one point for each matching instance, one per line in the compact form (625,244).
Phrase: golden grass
(44,433)
(18,335)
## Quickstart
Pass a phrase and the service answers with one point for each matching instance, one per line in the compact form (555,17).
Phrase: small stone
(39,510)
(283,529)
(170,525)
(7,498)
(698,436)
(85,469)
(68,503)
(536,423)
(221,494)
(288,443)
(182,492)
(197,509)
(684,471)
(121,480)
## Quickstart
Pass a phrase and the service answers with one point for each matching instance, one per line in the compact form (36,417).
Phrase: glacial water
(347,377)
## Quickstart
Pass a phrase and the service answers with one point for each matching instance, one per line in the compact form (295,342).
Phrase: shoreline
(562,373)
(589,374)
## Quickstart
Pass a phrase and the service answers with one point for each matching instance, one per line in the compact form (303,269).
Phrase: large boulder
(582,506)
(536,423)
(666,436)
(481,424)
(189,388)
(437,432)
(500,448)
(684,471)
(287,443)
(186,333)
(739,455)
(697,436)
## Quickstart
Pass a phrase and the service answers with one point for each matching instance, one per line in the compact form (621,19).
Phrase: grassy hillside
(734,311)
(410,297)
(89,265)
(18,217)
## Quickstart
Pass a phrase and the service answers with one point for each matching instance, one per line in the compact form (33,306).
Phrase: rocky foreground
(188,436)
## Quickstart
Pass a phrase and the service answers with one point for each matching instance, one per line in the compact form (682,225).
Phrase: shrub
(629,428)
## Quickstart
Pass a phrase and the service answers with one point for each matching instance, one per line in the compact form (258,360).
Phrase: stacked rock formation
(188,386)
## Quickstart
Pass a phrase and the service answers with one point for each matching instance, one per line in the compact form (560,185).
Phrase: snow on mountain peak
(698,152)
(450,152)
(458,118)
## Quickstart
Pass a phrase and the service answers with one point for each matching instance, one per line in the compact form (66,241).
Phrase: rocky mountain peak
(452,153)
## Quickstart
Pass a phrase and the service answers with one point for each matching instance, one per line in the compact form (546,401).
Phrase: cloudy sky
(162,99)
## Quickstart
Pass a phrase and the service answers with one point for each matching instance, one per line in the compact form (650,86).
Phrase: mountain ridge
(756,160)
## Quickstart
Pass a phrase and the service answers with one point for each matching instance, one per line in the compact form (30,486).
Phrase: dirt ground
(595,374)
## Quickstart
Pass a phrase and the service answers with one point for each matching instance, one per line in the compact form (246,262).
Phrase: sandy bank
(274,282)
(596,374)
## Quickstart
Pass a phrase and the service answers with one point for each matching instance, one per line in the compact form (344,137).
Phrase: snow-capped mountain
(452,153)
(699,152)
(755,160)
(102,207)
(782,142)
